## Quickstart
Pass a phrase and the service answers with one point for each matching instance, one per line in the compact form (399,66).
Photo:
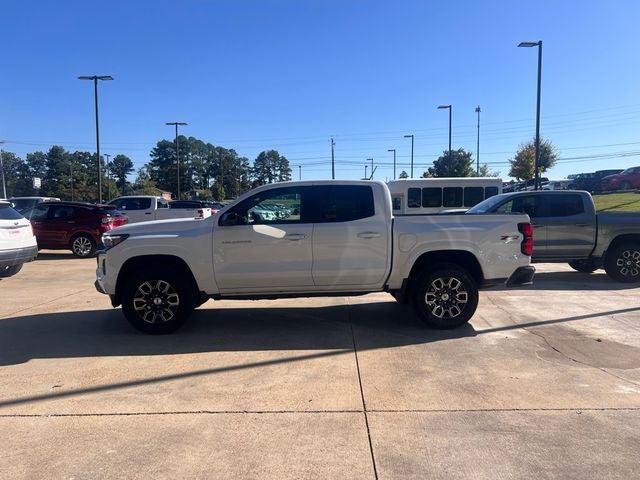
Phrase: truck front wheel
(445,296)
(623,263)
(157,301)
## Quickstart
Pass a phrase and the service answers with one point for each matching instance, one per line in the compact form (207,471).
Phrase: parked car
(141,208)
(591,182)
(195,205)
(74,226)
(568,229)
(557,185)
(340,237)
(25,203)
(17,242)
(625,180)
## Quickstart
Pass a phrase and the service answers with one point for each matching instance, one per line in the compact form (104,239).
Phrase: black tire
(158,300)
(584,266)
(6,272)
(82,245)
(623,262)
(431,296)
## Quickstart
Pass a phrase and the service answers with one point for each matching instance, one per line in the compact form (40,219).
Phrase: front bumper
(18,256)
(522,276)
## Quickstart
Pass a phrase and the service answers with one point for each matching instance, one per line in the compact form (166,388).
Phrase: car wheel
(157,301)
(625,186)
(83,245)
(445,296)
(584,266)
(6,272)
(623,263)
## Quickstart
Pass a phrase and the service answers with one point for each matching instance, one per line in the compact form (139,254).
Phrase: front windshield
(487,205)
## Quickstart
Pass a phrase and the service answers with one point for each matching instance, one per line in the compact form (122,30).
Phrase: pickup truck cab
(323,238)
(141,208)
(568,229)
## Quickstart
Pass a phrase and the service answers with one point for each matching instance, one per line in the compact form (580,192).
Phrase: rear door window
(345,203)
(530,204)
(565,205)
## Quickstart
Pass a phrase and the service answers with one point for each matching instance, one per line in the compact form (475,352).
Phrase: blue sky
(254,75)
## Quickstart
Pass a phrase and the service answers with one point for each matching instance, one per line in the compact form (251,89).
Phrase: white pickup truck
(331,238)
(140,208)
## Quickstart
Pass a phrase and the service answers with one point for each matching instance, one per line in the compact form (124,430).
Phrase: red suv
(625,180)
(74,226)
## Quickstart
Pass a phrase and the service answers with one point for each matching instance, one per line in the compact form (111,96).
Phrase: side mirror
(230,219)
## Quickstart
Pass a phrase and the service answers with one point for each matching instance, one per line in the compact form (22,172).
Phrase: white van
(439,195)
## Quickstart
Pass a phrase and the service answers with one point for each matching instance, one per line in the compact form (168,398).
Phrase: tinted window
(565,205)
(37,213)
(125,204)
(183,204)
(8,213)
(280,205)
(432,197)
(397,203)
(531,205)
(162,203)
(452,196)
(490,192)
(414,198)
(473,196)
(63,212)
(24,203)
(344,203)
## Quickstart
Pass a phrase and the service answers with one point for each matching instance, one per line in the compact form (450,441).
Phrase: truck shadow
(569,281)
(99,333)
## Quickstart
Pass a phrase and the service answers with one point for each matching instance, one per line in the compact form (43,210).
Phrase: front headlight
(110,241)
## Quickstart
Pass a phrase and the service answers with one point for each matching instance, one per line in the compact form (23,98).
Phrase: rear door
(535,207)
(351,238)
(38,216)
(571,229)
(62,223)
(263,251)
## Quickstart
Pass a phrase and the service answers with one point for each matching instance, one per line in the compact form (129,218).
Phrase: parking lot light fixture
(450,111)
(176,124)
(411,137)
(536,165)
(394,161)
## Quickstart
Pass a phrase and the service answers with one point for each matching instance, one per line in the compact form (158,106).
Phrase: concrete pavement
(544,383)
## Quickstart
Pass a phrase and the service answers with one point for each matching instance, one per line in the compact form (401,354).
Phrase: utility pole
(478,144)
(394,161)
(299,172)
(4,187)
(177,152)
(333,159)
(71,179)
(108,178)
(411,136)
(365,171)
(371,167)
(536,166)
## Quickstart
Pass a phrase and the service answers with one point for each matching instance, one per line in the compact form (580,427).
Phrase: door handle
(369,235)
(294,237)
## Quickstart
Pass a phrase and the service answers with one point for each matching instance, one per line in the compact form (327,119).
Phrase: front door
(265,243)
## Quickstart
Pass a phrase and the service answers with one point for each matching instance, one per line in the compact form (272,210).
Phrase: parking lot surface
(544,383)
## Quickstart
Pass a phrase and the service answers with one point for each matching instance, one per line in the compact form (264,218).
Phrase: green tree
(522,164)
(485,171)
(121,166)
(459,165)
(15,171)
(270,167)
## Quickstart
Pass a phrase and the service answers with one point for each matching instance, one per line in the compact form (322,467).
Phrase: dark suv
(74,226)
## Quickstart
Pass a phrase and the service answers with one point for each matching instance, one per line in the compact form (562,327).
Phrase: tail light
(106,223)
(526,247)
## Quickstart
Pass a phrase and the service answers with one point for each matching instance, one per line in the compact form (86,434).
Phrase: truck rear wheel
(584,266)
(623,263)
(157,301)
(445,296)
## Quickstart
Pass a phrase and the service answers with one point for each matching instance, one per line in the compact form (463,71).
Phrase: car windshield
(487,205)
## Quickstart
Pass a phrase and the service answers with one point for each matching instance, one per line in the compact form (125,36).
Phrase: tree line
(206,172)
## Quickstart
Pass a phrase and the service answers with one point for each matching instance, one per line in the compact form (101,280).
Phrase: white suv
(17,242)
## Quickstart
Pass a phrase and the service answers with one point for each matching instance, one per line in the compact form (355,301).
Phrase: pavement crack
(364,403)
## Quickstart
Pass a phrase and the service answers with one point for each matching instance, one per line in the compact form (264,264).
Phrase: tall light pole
(4,187)
(95,79)
(411,137)
(478,144)
(333,159)
(299,172)
(371,167)
(365,171)
(108,156)
(394,161)
(450,111)
(178,152)
(536,165)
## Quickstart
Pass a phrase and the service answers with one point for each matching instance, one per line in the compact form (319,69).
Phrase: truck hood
(162,227)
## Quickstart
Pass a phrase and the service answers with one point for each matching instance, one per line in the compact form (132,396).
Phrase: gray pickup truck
(566,228)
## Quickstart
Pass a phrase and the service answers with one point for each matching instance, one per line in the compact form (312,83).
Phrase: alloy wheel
(156,301)
(628,263)
(82,246)
(446,297)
